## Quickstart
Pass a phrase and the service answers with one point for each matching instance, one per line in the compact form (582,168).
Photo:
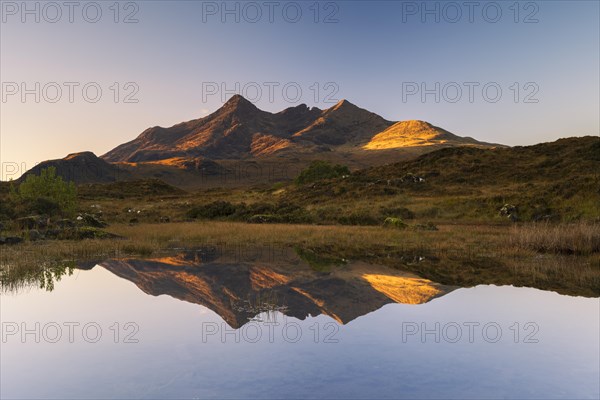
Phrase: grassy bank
(461,255)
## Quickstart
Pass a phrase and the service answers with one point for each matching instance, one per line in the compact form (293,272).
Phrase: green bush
(46,194)
(319,170)
(216,209)
(391,222)
(43,206)
(7,208)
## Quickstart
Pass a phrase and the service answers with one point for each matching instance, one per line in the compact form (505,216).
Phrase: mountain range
(240,135)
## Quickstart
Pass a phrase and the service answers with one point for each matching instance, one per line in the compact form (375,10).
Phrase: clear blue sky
(374,53)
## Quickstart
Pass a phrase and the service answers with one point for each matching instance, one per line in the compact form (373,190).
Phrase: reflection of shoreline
(563,274)
(239,291)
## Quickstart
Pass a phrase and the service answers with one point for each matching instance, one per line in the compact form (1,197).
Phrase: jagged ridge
(240,130)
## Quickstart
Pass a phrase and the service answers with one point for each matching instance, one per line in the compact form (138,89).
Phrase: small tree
(46,193)
(318,170)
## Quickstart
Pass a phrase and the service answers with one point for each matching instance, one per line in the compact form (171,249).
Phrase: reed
(582,238)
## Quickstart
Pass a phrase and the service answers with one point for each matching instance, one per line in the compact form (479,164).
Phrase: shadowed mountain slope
(84,167)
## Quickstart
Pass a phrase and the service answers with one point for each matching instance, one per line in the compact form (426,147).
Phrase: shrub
(46,194)
(43,206)
(319,170)
(7,208)
(391,222)
(216,209)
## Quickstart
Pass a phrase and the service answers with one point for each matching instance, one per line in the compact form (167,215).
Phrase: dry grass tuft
(579,238)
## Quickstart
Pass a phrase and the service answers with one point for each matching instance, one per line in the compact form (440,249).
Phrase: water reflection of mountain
(240,286)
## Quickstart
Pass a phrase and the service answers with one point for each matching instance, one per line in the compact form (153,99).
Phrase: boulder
(64,223)
(11,240)
(93,221)
(509,211)
(34,235)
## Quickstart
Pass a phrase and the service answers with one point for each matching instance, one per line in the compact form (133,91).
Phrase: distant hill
(557,181)
(84,167)
(417,133)
(558,162)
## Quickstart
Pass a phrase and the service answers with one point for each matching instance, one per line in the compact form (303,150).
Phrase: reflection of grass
(16,279)
(318,262)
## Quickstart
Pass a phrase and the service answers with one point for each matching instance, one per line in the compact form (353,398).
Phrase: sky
(88,76)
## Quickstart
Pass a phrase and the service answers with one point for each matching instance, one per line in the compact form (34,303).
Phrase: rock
(64,223)
(94,233)
(411,178)
(53,233)
(34,235)
(26,223)
(86,234)
(93,221)
(509,211)
(12,240)
(43,223)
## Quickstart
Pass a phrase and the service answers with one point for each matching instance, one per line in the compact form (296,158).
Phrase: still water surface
(171,328)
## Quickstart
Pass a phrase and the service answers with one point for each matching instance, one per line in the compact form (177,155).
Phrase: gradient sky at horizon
(371,54)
